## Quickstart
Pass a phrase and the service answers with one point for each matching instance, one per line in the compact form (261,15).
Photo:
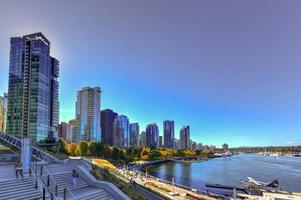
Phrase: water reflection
(230,172)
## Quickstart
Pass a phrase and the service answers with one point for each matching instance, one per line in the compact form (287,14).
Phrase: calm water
(230,172)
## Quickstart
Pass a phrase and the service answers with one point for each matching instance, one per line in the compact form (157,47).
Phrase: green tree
(108,152)
(122,155)
(63,147)
(154,154)
(115,153)
(99,149)
(92,148)
(83,146)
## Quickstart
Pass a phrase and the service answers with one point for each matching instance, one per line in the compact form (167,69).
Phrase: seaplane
(273,184)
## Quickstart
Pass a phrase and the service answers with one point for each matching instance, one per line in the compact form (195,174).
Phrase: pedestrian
(18,168)
(75,176)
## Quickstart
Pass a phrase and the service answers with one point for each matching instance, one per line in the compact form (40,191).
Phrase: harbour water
(287,170)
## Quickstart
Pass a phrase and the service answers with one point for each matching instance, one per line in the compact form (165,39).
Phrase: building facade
(168,133)
(65,131)
(33,106)
(88,114)
(142,139)
(74,126)
(185,137)
(134,134)
(152,136)
(107,126)
(121,131)
(160,141)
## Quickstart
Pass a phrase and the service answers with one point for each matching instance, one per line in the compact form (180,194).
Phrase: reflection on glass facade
(168,133)
(134,134)
(88,114)
(121,131)
(152,136)
(33,88)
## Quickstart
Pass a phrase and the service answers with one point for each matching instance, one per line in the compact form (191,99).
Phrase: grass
(104,164)
(105,175)
(160,187)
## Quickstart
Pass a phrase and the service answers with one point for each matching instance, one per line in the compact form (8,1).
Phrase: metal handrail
(71,193)
(53,194)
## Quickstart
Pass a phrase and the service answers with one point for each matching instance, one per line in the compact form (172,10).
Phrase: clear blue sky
(229,69)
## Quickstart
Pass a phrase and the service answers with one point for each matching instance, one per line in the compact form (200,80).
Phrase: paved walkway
(147,194)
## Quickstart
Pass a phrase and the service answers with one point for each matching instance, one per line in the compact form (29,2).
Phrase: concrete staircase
(19,189)
(61,175)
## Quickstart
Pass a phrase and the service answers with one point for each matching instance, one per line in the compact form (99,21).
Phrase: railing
(36,152)
(202,192)
(68,194)
(50,184)
(38,184)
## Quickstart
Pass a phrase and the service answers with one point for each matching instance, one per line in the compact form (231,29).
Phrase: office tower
(75,135)
(121,131)
(168,133)
(88,114)
(185,137)
(1,114)
(65,131)
(107,124)
(176,144)
(33,105)
(225,146)
(193,145)
(152,136)
(142,139)
(199,146)
(134,134)
(160,141)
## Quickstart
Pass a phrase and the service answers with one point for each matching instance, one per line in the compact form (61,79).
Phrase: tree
(115,153)
(92,148)
(63,146)
(122,155)
(99,149)
(108,152)
(83,148)
(72,149)
(154,154)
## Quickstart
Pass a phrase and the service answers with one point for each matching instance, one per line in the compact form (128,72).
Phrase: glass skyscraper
(33,107)
(107,125)
(88,114)
(168,133)
(121,131)
(134,134)
(152,136)
(185,137)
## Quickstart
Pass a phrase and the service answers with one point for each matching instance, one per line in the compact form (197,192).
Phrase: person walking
(18,168)
(75,176)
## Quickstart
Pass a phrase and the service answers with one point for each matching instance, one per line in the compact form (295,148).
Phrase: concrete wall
(109,187)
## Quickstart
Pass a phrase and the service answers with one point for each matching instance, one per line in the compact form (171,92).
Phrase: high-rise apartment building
(2,113)
(75,136)
(88,114)
(134,134)
(107,126)
(65,131)
(168,133)
(185,137)
(152,136)
(160,141)
(121,131)
(142,139)
(33,104)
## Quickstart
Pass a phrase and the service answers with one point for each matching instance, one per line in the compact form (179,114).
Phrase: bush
(83,146)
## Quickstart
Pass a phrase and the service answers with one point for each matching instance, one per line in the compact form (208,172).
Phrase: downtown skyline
(242,109)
